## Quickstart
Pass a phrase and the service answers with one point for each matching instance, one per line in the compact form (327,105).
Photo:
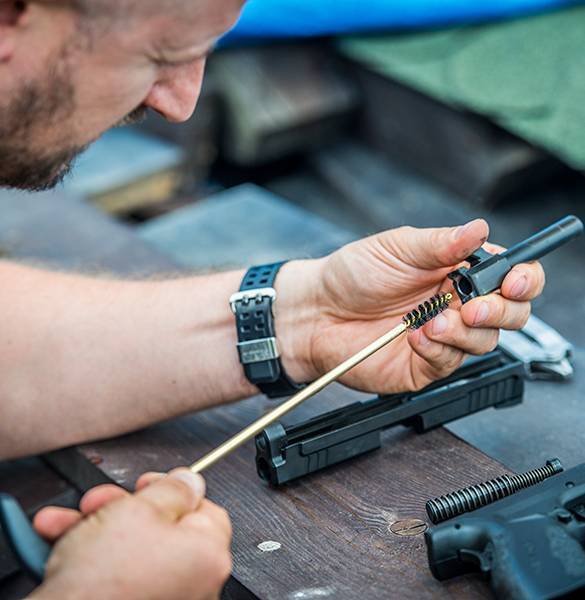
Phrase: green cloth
(527,75)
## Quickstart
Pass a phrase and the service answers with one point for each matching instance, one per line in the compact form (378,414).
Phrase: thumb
(175,495)
(441,247)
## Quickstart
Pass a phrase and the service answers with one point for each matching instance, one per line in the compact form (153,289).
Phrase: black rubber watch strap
(261,277)
(256,333)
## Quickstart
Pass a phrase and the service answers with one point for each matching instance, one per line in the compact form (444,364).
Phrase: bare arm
(84,358)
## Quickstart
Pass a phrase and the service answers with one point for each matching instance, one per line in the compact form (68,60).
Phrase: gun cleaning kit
(284,454)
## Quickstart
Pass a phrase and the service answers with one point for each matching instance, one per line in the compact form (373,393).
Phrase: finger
(494,248)
(435,248)
(148,479)
(495,311)
(436,360)
(210,516)
(524,282)
(99,496)
(450,329)
(51,523)
(175,495)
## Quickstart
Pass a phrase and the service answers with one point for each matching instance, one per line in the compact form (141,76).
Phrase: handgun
(284,453)
(530,545)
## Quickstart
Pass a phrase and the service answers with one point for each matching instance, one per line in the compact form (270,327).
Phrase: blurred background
(321,122)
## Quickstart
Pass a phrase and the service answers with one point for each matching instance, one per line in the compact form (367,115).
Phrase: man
(85,358)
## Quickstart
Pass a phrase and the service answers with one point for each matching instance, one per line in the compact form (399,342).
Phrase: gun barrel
(545,241)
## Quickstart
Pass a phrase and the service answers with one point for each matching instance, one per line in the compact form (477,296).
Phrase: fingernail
(194,481)
(461,231)
(483,312)
(423,339)
(440,324)
(520,287)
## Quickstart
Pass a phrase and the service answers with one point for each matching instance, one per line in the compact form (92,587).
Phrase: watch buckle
(249,295)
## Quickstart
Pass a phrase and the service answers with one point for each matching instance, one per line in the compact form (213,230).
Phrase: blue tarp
(307,18)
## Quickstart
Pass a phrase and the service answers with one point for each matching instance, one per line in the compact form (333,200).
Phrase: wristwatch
(257,344)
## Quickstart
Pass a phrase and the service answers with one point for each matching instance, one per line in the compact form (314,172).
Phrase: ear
(11,16)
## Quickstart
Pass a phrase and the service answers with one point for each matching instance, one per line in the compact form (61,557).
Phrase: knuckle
(454,362)
(404,230)
(205,522)
(433,352)
(499,306)
(140,509)
(178,489)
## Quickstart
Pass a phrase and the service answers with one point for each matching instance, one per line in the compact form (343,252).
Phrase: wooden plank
(62,231)
(214,234)
(462,151)
(333,527)
(281,100)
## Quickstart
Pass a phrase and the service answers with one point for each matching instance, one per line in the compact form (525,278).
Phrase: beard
(37,108)
(24,163)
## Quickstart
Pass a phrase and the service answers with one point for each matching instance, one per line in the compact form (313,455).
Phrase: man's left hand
(330,308)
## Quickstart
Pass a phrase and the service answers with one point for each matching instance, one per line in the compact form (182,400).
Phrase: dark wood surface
(333,527)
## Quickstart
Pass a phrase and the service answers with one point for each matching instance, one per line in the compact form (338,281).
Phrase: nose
(176,92)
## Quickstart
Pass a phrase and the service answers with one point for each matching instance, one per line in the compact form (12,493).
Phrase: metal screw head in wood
(408,527)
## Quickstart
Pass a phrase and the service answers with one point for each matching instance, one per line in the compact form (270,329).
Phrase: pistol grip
(457,548)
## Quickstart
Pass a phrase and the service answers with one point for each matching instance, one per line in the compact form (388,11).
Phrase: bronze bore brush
(413,320)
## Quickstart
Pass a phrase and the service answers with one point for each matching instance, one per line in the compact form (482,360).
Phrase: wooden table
(333,527)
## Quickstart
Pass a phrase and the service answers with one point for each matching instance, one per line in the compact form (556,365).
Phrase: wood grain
(334,526)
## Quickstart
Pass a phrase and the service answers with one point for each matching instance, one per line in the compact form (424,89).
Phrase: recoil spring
(473,497)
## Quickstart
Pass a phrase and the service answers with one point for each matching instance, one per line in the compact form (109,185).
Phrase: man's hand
(358,293)
(166,541)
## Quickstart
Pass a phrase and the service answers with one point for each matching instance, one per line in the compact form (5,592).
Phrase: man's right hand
(165,541)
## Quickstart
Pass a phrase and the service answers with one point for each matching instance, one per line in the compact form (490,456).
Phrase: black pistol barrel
(487,272)
(545,241)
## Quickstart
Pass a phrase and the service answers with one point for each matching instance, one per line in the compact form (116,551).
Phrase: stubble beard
(35,109)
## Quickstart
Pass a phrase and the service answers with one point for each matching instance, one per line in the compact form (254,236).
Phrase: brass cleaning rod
(313,388)
(413,320)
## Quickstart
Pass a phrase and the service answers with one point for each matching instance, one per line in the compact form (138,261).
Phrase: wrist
(297,311)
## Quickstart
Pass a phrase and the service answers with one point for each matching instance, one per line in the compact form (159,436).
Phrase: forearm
(86,358)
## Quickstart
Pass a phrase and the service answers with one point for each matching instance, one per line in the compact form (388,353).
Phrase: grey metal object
(486,272)
(545,353)
(257,351)
(475,496)
(248,296)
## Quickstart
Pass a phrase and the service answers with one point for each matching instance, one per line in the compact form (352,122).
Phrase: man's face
(66,78)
